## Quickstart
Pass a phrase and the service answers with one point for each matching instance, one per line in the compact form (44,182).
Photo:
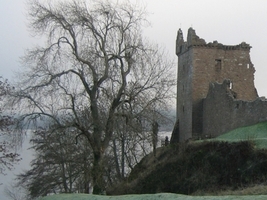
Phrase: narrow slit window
(247,66)
(218,65)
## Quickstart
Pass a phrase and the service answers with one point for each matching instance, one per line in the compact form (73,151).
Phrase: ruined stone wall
(214,63)
(222,112)
(200,63)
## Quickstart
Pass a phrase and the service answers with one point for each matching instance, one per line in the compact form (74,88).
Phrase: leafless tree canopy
(94,69)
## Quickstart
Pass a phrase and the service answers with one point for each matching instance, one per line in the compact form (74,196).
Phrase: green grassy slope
(256,133)
(151,197)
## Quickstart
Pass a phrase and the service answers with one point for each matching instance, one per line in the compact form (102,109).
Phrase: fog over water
(9,179)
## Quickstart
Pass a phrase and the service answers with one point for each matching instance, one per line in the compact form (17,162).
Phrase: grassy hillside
(256,133)
(237,159)
(206,166)
(227,165)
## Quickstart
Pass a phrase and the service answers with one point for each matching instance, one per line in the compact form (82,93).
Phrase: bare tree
(95,62)
(8,155)
(60,165)
(15,193)
(135,137)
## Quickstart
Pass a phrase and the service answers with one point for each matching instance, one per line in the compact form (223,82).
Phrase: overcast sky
(228,21)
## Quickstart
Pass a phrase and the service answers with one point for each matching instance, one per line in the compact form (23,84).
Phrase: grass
(253,190)
(256,133)
(151,197)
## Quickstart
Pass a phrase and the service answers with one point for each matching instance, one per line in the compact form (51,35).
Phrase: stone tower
(199,64)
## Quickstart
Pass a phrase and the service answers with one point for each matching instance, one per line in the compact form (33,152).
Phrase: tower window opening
(247,66)
(218,64)
(231,85)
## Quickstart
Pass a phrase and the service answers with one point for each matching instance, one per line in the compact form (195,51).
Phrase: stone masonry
(223,112)
(199,64)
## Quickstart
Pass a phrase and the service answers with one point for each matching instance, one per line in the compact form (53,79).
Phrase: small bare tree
(8,155)
(94,63)
(15,193)
(60,165)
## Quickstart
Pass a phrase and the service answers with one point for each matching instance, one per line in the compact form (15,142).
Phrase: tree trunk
(86,178)
(97,174)
(64,180)
(123,156)
(116,158)
(155,130)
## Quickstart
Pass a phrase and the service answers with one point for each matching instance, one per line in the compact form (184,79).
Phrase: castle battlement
(195,41)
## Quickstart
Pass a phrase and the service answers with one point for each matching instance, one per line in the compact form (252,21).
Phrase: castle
(215,88)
